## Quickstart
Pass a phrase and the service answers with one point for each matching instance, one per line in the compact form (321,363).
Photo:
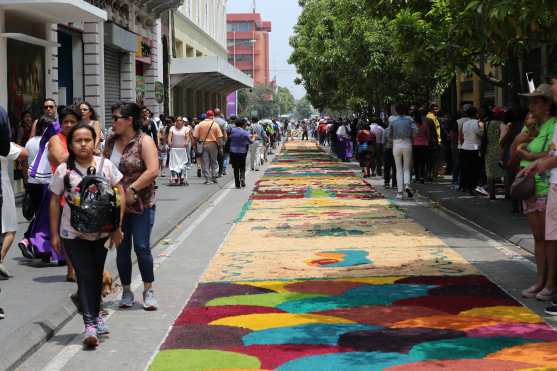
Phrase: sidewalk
(36,299)
(495,216)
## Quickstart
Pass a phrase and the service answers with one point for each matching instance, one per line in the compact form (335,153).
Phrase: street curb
(520,241)
(31,336)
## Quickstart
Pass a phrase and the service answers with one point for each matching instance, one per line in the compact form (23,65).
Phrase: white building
(200,75)
(101,51)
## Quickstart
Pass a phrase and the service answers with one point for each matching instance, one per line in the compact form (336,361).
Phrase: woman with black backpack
(84,240)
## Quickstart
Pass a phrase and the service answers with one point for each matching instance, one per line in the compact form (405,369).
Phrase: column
(93,48)
(3,62)
(51,62)
(127,78)
(150,78)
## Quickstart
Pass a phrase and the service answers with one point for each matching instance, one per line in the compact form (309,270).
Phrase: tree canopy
(266,101)
(361,53)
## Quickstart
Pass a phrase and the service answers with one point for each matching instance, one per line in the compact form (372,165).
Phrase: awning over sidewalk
(211,74)
(56,11)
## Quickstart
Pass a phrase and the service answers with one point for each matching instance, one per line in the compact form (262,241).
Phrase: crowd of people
(485,152)
(58,157)
(481,151)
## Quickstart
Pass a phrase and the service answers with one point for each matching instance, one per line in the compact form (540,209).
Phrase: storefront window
(26,84)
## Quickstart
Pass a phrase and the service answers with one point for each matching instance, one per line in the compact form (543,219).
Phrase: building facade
(248,45)
(200,77)
(100,51)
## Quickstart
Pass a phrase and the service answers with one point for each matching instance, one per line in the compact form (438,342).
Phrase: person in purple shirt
(240,140)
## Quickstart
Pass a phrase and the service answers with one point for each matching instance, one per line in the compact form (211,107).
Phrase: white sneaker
(399,196)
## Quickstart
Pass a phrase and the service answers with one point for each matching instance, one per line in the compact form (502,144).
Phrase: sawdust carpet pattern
(322,273)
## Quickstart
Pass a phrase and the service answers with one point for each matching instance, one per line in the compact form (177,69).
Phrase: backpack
(95,205)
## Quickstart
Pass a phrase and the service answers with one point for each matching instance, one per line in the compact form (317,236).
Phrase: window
(239,26)
(244,58)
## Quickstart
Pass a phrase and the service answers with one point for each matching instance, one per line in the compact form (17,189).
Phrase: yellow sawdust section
(265,321)
(275,238)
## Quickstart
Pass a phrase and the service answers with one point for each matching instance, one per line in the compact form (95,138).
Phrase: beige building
(200,75)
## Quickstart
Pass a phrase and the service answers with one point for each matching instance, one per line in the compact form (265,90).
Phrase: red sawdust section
(456,304)
(381,315)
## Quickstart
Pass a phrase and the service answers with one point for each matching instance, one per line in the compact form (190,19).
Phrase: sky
(283,14)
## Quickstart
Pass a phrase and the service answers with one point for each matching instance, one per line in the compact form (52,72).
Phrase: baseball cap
(210,113)
(543,90)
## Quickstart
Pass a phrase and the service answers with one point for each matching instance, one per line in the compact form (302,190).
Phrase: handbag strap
(208,131)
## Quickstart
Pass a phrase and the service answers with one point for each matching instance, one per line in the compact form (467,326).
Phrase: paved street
(36,298)
(317,270)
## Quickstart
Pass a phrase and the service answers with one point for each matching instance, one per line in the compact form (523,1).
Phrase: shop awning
(211,74)
(56,11)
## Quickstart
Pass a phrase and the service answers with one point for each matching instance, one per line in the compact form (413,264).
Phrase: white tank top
(178,137)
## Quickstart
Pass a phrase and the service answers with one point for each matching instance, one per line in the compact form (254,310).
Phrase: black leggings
(470,168)
(88,258)
(238,161)
(420,161)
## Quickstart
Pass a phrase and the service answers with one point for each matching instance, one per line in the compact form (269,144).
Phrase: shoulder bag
(524,187)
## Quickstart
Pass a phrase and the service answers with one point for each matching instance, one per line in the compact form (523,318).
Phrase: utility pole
(253,6)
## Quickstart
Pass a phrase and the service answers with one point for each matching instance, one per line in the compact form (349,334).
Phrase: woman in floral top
(135,155)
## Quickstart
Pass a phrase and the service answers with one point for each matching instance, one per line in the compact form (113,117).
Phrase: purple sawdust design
(199,336)
(394,340)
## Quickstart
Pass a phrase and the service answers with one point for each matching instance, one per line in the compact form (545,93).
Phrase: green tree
(260,99)
(285,100)
(303,108)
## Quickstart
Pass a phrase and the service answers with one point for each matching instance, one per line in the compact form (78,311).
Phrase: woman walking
(89,117)
(402,131)
(87,250)
(470,138)
(135,155)
(240,140)
(9,215)
(493,150)
(179,159)
(542,110)
(57,154)
(366,149)
(344,141)
(421,148)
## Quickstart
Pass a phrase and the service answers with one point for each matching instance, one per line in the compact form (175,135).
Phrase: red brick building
(248,45)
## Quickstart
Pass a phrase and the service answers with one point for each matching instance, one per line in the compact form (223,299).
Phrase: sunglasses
(116,118)
(84,109)
(49,107)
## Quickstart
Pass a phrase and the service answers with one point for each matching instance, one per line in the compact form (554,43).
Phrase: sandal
(545,295)
(530,292)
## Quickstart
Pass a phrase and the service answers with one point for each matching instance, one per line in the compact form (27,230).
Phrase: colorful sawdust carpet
(321,273)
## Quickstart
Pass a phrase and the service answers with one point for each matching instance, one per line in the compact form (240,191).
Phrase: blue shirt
(402,127)
(240,139)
